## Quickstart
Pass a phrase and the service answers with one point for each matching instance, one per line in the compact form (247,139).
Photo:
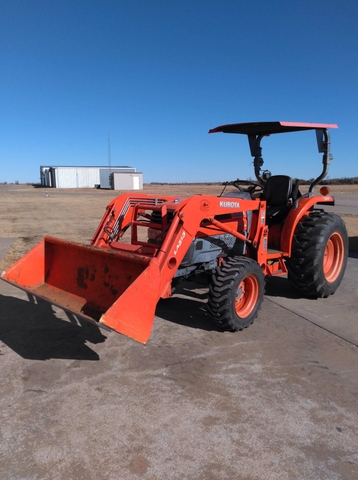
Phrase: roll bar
(255,132)
(323,143)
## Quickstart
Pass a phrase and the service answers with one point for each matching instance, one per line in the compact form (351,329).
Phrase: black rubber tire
(236,293)
(319,254)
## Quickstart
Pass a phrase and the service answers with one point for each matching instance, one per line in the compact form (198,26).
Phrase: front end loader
(146,244)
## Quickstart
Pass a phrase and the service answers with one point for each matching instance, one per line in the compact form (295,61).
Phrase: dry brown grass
(74,214)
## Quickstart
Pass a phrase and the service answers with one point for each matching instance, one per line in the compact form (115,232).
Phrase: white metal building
(127,181)
(80,177)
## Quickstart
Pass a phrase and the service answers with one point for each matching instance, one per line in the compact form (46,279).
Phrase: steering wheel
(253,186)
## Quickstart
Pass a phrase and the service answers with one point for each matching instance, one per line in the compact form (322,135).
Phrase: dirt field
(278,400)
(29,213)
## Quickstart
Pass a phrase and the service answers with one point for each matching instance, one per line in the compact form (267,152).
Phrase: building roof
(85,166)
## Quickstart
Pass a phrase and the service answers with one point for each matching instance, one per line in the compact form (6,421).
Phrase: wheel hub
(246,296)
(333,257)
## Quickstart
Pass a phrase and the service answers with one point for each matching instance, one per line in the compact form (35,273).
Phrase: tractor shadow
(353,247)
(32,330)
(187,307)
(280,287)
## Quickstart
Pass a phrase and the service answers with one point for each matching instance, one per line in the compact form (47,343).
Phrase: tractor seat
(278,195)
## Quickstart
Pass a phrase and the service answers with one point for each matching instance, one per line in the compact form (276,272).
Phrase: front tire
(319,254)
(236,293)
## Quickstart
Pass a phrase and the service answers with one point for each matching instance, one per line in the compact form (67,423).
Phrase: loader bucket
(117,288)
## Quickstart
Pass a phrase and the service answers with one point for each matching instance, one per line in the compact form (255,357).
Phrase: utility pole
(109,160)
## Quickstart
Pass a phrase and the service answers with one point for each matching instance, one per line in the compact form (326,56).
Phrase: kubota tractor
(145,244)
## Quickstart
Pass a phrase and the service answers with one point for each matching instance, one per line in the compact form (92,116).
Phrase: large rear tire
(235,293)
(319,254)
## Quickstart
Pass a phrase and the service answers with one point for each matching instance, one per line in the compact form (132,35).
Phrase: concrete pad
(337,314)
(5,244)
(276,401)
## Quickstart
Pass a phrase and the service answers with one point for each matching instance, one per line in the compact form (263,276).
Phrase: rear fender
(295,215)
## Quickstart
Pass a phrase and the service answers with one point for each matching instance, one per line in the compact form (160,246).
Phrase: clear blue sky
(157,74)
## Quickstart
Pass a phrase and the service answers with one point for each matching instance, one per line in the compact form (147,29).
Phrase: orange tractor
(145,244)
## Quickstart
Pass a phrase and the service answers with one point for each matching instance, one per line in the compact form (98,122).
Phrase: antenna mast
(109,160)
